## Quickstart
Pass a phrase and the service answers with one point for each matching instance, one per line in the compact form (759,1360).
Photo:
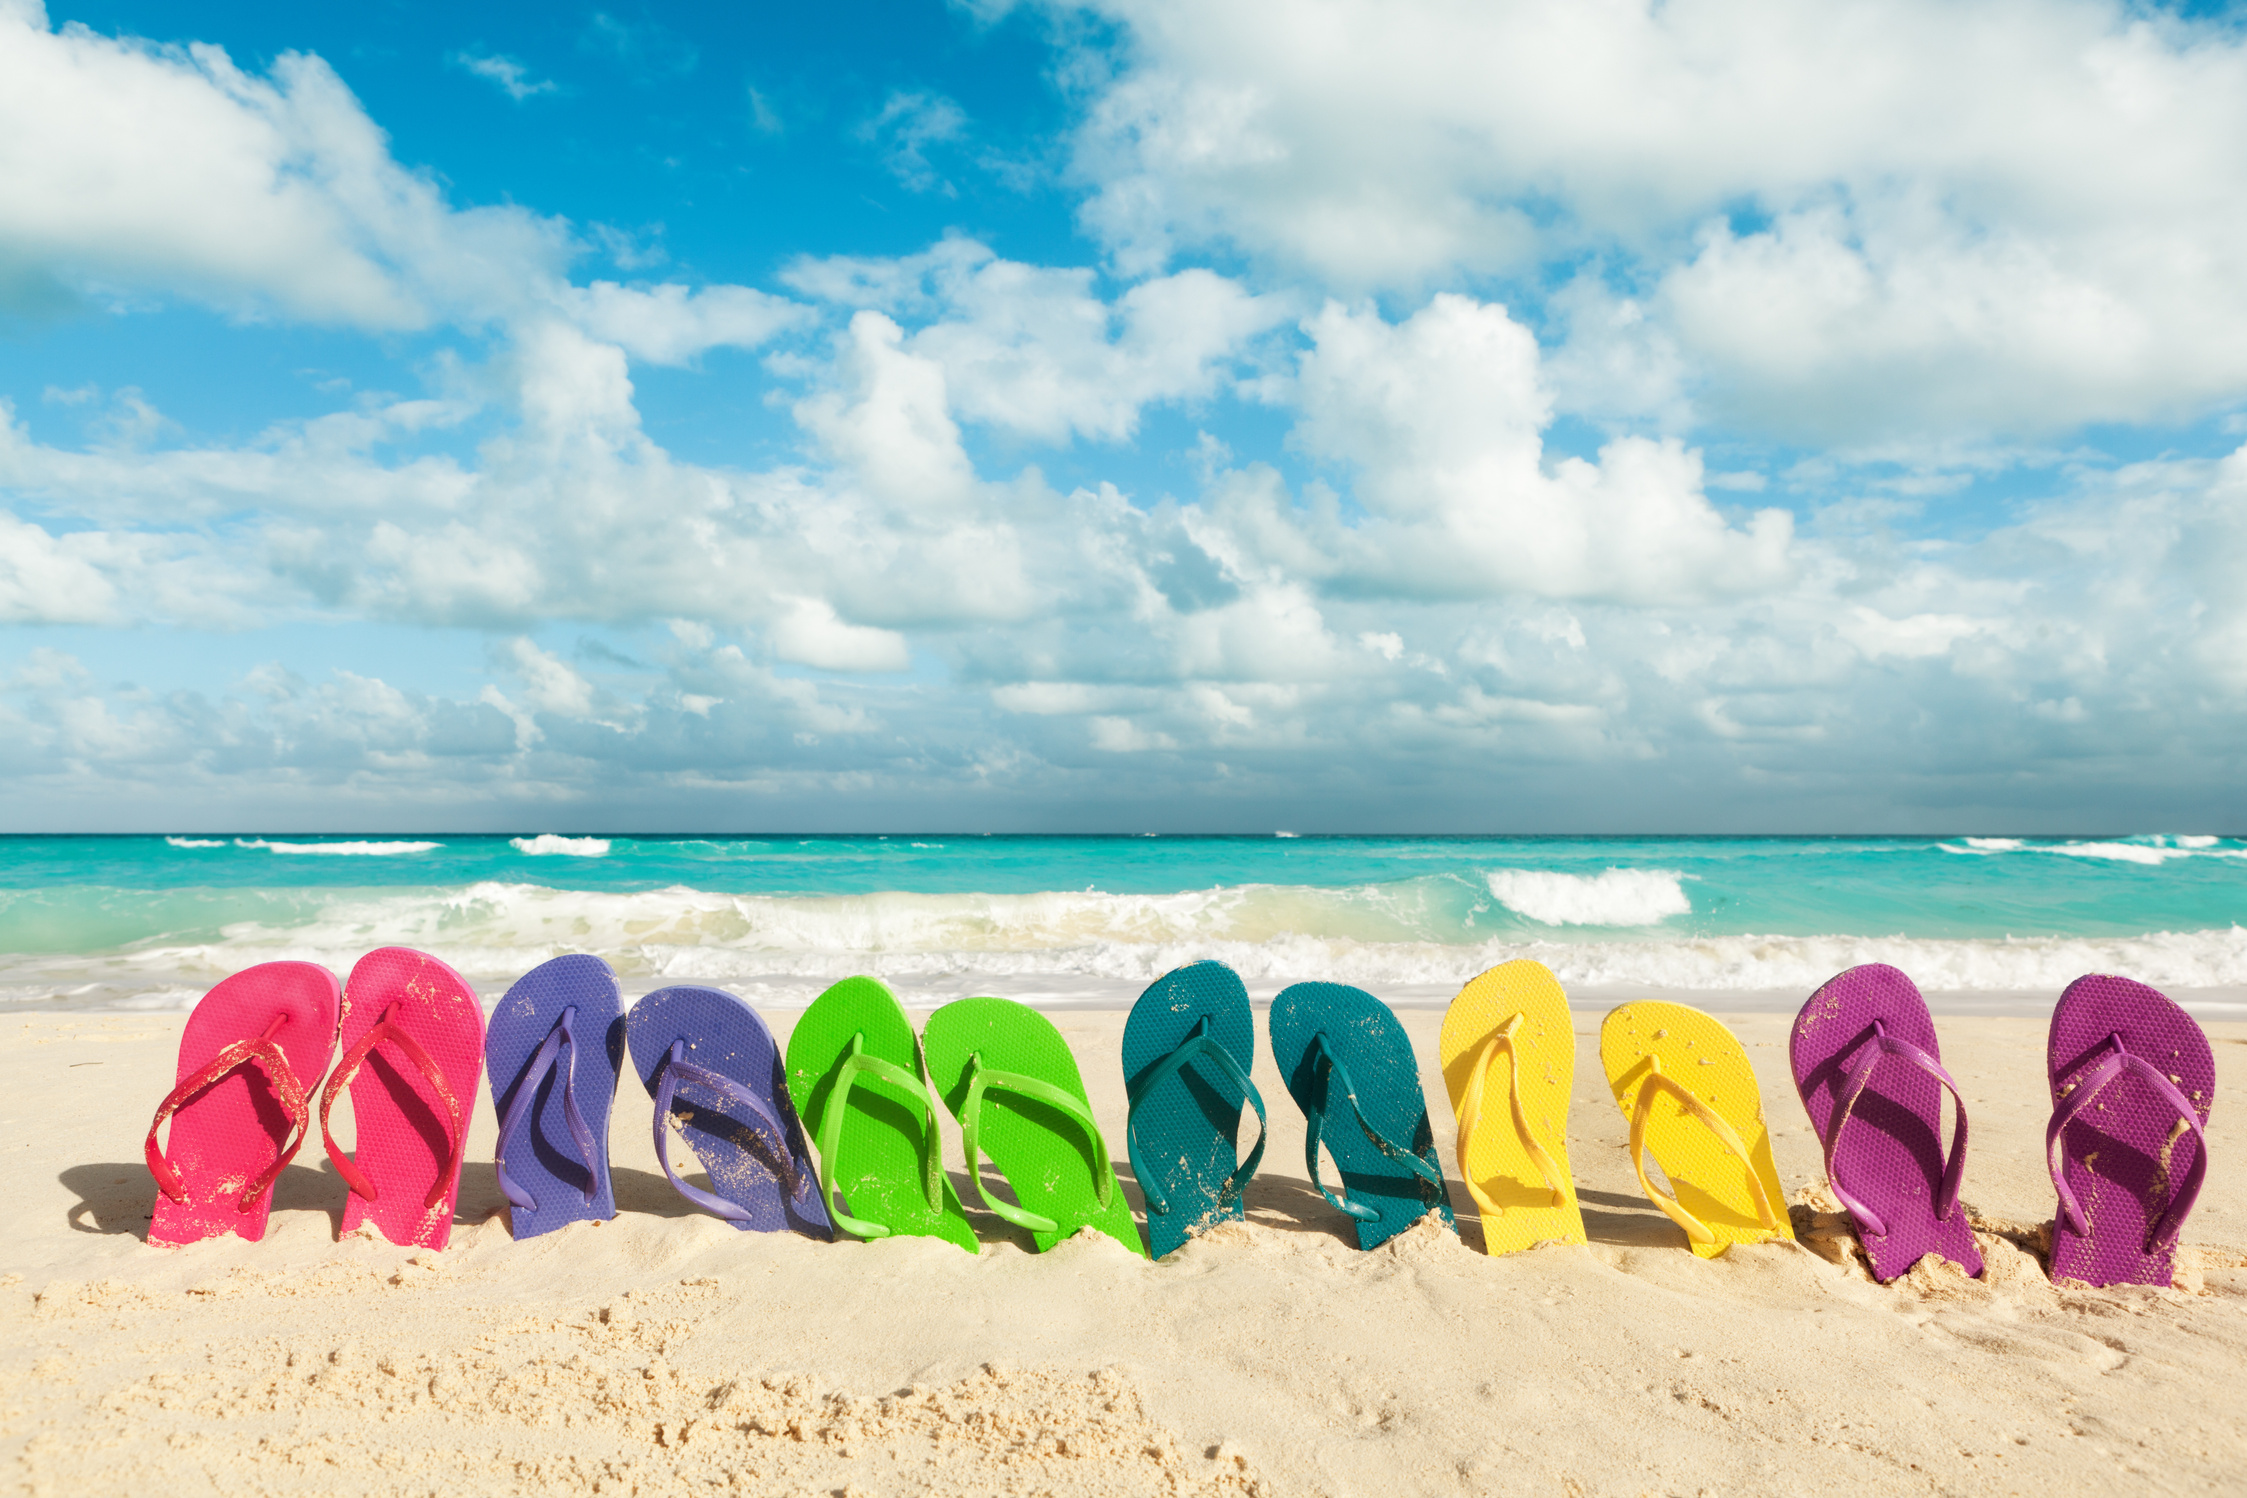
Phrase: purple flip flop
(1871,1077)
(2132,1081)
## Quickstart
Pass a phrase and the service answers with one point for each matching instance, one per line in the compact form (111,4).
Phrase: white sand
(666,1352)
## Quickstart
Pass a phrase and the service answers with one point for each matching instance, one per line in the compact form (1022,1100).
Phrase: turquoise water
(152,920)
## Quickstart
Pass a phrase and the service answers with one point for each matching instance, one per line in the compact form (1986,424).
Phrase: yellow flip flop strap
(1695,1229)
(1469,1116)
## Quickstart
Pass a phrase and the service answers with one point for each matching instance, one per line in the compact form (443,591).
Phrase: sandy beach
(666,1352)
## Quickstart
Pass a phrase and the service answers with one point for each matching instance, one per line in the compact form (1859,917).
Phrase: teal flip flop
(1349,1066)
(1007,1076)
(854,1071)
(1188,1049)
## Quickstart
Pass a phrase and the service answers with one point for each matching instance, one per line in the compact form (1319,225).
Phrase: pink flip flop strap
(2088,1086)
(1881,1044)
(230,1059)
(348,1067)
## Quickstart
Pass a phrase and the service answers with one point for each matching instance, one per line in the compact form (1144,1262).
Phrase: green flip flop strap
(846,1074)
(981,1079)
(1332,1071)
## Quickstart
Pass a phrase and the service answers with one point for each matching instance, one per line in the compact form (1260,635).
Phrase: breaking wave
(1619,897)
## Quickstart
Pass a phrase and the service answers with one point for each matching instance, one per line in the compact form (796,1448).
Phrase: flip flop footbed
(1497,1162)
(1185,1127)
(771,1180)
(1356,1031)
(1045,1153)
(1890,1156)
(408,1127)
(228,1135)
(542,1155)
(2129,1149)
(880,1142)
(1699,1055)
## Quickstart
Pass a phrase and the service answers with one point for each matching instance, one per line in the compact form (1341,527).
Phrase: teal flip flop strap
(1333,1071)
(1199,1044)
(846,1074)
(981,1079)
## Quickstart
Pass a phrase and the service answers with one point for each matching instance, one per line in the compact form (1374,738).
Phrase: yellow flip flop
(1509,1033)
(1684,1082)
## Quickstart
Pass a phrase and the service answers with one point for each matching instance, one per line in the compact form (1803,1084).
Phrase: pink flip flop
(413,1049)
(2132,1080)
(252,1047)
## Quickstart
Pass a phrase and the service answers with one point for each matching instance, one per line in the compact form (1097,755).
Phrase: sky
(1138,415)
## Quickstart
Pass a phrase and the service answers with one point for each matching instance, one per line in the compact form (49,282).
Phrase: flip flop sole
(878,1164)
(1186,1128)
(2121,1155)
(542,1157)
(1363,1035)
(1891,1154)
(723,1034)
(1040,1149)
(1545,1045)
(231,1133)
(1696,1052)
(405,1146)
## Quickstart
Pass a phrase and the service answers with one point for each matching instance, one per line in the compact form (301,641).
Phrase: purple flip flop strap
(1954,1168)
(677,1069)
(544,1061)
(2087,1087)
(1659,1082)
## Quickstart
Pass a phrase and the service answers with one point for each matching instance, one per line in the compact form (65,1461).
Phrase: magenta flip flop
(251,1050)
(1871,1077)
(413,1049)
(2132,1082)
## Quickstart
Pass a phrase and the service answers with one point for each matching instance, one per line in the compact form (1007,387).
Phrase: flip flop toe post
(554,1048)
(413,1052)
(2132,1080)
(250,1054)
(1871,1076)
(714,1070)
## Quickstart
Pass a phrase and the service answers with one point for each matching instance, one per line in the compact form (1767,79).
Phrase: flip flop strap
(386,1029)
(2088,1087)
(1954,1166)
(1469,1117)
(1314,1122)
(1199,1043)
(1658,1081)
(677,1069)
(846,1074)
(981,1079)
(549,1051)
(231,1058)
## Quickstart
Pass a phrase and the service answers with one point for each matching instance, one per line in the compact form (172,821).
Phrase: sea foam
(1619,897)
(548,843)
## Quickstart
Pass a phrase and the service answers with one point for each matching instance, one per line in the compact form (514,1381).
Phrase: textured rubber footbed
(1040,1150)
(1709,1062)
(879,1151)
(1545,1044)
(400,1124)
(543,1156)
(2121,1155)
(723,1034)
(235,1129)
(1891,1153)
(1188,1125)
(1366,1039)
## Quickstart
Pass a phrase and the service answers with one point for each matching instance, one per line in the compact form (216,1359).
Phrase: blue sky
(1725,415)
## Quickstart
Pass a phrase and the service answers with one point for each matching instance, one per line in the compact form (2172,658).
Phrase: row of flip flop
(2132,1079)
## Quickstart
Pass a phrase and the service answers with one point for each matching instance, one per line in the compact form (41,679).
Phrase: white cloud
(810,633)
(909,123)
(506,74)
(669,324)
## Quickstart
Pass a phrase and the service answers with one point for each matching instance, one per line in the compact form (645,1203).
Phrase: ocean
(1989,924)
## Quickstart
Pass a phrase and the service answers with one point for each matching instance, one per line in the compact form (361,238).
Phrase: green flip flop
(854,1072)
(1008,1077)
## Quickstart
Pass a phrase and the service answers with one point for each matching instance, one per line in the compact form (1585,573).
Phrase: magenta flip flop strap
(230,1059)
(2088,1087)
(1954,1168)
(348,1067)
(677,1069)
(549,1053)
